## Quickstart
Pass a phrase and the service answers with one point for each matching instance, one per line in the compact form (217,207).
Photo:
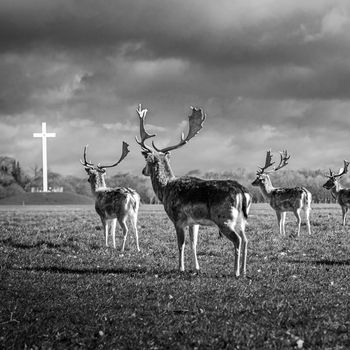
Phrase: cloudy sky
(268,73)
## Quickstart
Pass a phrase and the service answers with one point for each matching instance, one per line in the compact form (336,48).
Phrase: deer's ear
(101,170)
(145,153)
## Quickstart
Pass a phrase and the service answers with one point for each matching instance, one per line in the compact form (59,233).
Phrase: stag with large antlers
(190,201)
(112,204)
(341,194)
(283,199)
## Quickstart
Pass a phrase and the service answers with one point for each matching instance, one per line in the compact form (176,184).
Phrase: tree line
(14,180)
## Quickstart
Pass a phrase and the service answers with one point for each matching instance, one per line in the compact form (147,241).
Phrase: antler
(86,163)
(125,151)
(143,133)
(283,162)
(196,120)
(343,170)
(268,163)
(330,173)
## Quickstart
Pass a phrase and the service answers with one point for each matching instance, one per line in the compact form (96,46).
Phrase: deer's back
(113,202)
(201,201)
(287,199)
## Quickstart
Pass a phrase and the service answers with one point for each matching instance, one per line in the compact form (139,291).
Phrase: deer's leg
(180,232)
(297,215)
(105,229)
(193,231)
(235,238)
(279,221)
(307,216)
(244,248)
(344,211)
(134,224)
(283,223)
(113,226)
(122,223)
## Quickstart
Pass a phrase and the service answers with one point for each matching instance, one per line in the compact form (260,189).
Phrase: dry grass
(61,288)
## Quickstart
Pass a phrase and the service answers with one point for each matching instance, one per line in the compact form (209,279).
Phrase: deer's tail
(307,197)
(134,200)
(246,203)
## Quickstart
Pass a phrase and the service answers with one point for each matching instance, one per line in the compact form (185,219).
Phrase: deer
(282,199)
(191,201)
(339,193)
(112,204)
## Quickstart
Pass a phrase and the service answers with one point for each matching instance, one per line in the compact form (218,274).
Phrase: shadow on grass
(130,271)
(97,271)
(322,262)
(10,242)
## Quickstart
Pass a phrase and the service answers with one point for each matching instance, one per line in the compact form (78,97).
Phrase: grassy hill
(49,198)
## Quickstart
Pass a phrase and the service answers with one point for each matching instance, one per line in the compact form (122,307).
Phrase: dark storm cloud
(225,33)
(15,89)
(268,73)
(258,49)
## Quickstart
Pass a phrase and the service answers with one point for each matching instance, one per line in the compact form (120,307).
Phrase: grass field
(60,287)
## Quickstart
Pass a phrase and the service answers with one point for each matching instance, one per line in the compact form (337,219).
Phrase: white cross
(43,136)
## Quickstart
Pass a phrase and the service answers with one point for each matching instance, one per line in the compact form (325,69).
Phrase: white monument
(43,134)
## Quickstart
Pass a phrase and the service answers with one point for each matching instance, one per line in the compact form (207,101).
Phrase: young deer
(283,199)
(190,201)
(112,204)
(340,194)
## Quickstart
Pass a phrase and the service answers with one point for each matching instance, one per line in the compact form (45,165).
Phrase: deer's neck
(337,188)
(161,174)
(267,188)
(98,185)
